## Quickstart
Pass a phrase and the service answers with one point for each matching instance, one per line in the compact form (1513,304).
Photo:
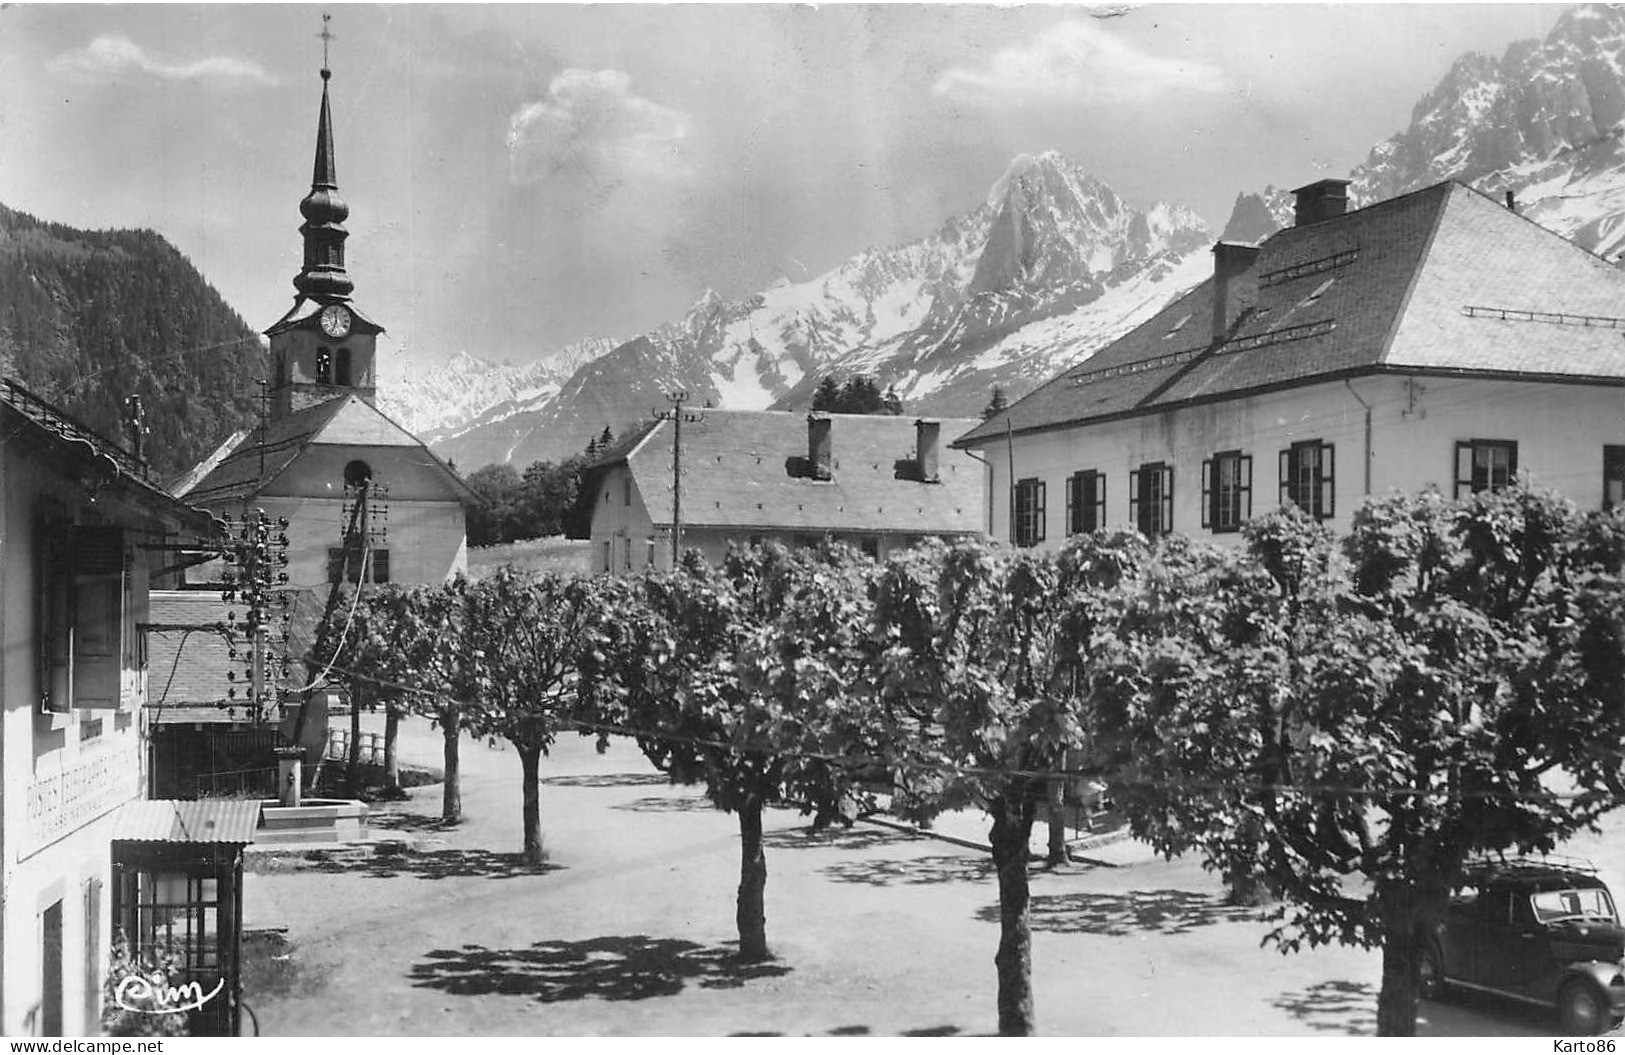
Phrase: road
(627,929)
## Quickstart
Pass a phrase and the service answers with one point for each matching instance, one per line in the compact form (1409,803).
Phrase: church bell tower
(323,348)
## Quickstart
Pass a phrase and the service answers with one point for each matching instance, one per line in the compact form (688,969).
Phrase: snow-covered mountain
(1050,266)
(1544,122)
(1053,264)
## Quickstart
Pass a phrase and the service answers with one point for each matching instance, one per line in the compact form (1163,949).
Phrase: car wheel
(1581,1010)
(1430,976)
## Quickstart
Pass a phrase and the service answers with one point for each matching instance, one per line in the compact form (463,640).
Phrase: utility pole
(677,397)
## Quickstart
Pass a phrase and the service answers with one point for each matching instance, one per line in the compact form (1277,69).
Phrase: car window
(1553,905)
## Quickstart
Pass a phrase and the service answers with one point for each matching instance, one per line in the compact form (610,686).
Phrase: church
(365,500)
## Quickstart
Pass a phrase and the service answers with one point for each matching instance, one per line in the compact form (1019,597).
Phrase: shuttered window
(1151,498)
(1085,502)
(1485,465)
(1613,476)
(1308,478)
(1227,491)
(1029,512)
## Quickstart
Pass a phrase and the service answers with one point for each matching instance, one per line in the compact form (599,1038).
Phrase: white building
(1435,339)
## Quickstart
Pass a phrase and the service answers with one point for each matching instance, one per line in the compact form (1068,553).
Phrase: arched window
(357,474)
(342,375)
(324,366)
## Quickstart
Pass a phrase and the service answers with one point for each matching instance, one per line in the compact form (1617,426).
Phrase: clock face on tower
(335,320)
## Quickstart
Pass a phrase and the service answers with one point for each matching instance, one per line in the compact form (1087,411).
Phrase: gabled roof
(1443,279)
(254,463)
(736,474)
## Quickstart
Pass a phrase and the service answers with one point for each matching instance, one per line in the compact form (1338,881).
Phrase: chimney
(818,446)
(1321,200)
(1235,286)
(1512,202)
(925,449)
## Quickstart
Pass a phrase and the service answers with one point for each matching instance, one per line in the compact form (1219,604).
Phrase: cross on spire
(327,36)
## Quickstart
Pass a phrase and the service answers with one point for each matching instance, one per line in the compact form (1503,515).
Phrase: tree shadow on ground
(620,967)
(917,871)
(667,804)
(411,822)
(607,780)
(1117,915)
(1343,1007)
(835,838)
(433,864)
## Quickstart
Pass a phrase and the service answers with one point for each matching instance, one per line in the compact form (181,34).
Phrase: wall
(62,790)
(1560,431)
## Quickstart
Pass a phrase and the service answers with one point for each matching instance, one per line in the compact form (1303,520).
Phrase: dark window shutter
(1328,481)
(380,565)
(1245,487)
(1464,468)
(1074,484)
(1167,524)
(1209,497)
(1100,500)
(1041,514)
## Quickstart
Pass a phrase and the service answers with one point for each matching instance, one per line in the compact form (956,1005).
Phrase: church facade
(365,500)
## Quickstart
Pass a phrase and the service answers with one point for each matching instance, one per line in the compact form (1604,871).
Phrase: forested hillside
(88,318)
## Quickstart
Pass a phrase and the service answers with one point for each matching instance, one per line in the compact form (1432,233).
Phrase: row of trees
(1345,725)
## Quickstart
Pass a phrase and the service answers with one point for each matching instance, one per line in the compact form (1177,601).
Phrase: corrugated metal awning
(178,821)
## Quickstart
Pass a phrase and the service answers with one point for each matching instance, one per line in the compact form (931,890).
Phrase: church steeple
(324,278)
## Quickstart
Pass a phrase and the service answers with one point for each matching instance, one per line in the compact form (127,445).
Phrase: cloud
(591,125)
(113,58)
(1076,61)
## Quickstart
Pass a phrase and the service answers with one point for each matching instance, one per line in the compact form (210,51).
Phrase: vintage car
(1540,931)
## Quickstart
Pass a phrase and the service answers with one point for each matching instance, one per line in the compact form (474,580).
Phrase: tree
(700,664)
(1356,729)
(976,673)
(827,397)
(522,640)
(495,518)
(547,492)
(995,405)
(606,439)
(409,646)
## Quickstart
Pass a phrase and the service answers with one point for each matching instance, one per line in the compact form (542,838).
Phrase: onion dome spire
(323,277)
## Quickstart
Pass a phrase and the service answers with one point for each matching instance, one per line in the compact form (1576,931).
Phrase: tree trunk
(1055,794)
(1012,829)
(451,795)
(1406,911)
(751,910)
(531,759)
(352,768)
(392,760)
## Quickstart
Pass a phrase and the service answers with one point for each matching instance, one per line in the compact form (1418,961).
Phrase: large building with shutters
(1438,339)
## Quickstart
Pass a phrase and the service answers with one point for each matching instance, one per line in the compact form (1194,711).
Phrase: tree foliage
(1355,726)
(859,395)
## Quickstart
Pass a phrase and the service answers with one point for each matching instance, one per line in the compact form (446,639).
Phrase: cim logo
(135,991)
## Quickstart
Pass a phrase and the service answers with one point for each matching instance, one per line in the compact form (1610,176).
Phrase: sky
(523,177)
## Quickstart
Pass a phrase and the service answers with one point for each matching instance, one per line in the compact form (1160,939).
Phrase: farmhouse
(878,482)
(1434,339)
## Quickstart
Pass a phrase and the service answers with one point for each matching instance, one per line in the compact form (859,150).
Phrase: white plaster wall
(1560,431)
(60,792)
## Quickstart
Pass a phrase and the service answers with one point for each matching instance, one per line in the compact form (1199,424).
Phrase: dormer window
(324,366)
(342,376)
